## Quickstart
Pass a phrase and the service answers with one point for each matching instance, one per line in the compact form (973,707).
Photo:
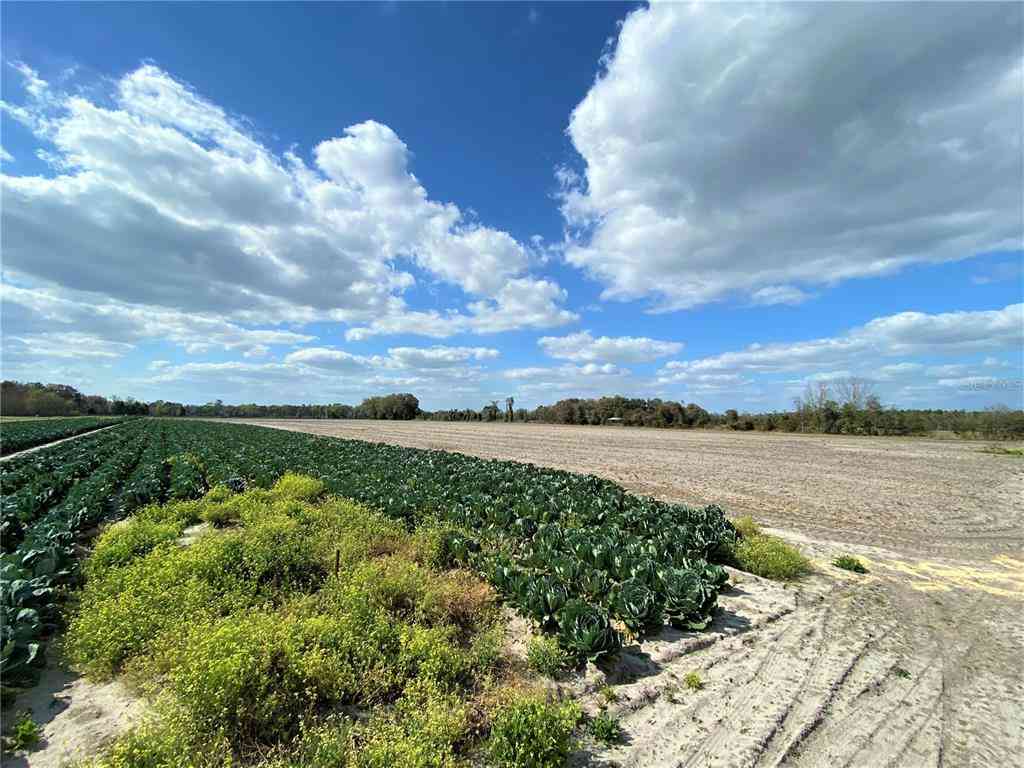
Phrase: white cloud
(565,371)
(35,86)
(270,375)
(697,384)
(6,156)
(995,362)
(778,294)
(968,382)
(897,371)
(522,303)
(601,369)
(38,314)
(525,374)
(946,371)
(946,332)
(862,352)
(821,376)
(588,380)
(317,374)
(995,273)
(439,356)
(753,149)
(905,333)
(583,347)
(332,359)
(162,199)
(70,345)
(429,360)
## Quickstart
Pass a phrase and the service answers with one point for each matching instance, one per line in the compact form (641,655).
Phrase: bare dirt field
(918,663)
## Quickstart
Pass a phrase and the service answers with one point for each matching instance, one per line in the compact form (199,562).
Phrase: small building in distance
(613,420)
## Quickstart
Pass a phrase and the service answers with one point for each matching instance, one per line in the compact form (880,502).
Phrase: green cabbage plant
(586,632)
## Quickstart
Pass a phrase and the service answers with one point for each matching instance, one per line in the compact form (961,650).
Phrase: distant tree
(854,391)
(402,406)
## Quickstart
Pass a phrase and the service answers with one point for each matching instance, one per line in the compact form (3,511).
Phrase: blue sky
(314,203)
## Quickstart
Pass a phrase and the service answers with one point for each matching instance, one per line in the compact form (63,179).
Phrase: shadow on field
(44,701)
(636,661)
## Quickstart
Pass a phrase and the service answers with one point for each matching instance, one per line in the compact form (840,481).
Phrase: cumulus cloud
(946,371)
(897,371)
(68,345)
(821,376)
(583,347)
(968,382)
(863,352)
(398,358)
(160,198)
(318,374)
(566,371)
(234,373)
(949,333)
(588,380)
(699,384)
(524,374)
(48,319)
(754,149)
(440,356)
(332,359)
(522,303)
(946,332)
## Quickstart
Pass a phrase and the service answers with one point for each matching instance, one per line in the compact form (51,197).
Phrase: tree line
(35,399)
(400,406)
(847,407)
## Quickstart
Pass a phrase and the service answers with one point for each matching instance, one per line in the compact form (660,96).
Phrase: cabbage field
(588,562)
(20,435)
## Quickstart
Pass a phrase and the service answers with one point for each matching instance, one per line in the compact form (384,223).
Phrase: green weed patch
(254,639)
(763,555)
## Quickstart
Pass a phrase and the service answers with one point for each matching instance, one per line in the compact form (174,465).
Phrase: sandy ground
(78,717)
(918,663)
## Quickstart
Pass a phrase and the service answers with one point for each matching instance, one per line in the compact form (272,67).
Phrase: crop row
(34,482)
(20,435)
(56,496)
(576,553)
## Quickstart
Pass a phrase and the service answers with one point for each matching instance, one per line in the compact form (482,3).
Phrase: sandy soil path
(918,663)
(79,718)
